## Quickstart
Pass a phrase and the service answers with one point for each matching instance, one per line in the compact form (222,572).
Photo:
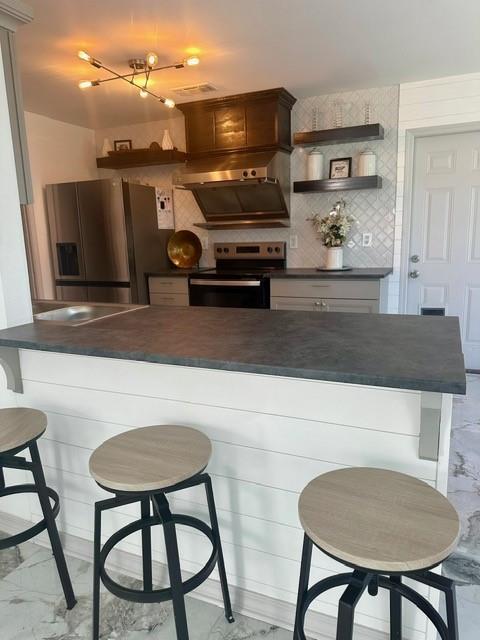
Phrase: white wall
(453,100)
(15,307)
(59,152)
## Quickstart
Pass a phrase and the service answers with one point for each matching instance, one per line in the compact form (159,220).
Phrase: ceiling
(311,47)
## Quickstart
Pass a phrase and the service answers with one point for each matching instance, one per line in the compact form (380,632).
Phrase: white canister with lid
(367,164)
(315,165)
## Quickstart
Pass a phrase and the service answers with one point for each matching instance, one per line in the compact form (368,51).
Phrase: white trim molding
(14,13)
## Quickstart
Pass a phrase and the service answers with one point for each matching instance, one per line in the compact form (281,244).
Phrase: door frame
(411,136)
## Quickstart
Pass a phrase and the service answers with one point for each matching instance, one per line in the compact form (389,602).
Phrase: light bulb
(151,59)
(143,93)
(85,84)
(83,55)
(169,103)
(192,61)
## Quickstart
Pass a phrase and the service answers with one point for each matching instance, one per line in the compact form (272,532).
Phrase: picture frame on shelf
(122,145)
(340,168)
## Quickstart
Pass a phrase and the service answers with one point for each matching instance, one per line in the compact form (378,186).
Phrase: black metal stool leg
(451,606)
(56,545)
(447,586)
(348,602)
(220,561)
(96,572)
(303,582)
(395,611)
(146,547)
(160,504)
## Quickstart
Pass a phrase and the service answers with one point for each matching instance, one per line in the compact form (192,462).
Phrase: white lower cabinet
(311,304)
(169,299)
(168,292)
(350,296)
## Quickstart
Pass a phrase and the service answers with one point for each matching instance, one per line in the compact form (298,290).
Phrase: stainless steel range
(241,277)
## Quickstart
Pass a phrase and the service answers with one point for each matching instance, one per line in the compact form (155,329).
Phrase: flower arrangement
(334,227)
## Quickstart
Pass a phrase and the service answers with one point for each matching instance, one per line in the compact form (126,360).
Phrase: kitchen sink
(76,315)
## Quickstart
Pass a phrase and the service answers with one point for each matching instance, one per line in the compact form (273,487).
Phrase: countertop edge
(290,274)
(221,365)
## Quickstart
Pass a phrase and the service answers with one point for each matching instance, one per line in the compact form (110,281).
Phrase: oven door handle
(225,283)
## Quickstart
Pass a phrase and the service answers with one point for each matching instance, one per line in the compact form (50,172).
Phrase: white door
(444,254)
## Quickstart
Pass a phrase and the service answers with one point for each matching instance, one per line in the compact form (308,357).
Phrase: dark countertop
(408,352)
(176,273)
(355,274)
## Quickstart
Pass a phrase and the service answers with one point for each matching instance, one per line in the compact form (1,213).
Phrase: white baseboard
(255,605)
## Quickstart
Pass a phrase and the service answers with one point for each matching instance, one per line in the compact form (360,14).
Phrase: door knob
(414,274)
(415,258)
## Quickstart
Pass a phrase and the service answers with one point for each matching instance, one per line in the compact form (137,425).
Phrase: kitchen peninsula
(284,396)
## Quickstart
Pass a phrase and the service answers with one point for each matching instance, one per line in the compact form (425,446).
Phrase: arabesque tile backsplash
(373,208)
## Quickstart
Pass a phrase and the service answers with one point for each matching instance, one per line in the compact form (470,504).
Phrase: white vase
(367,164)
(334,258)
(107,146)
(167,143)
(315,165)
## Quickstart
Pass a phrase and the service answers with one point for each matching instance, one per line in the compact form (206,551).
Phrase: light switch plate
(367,239)
(294,242)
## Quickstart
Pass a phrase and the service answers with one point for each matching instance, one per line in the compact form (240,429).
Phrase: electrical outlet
(367,239)
(293,242)
(204,242)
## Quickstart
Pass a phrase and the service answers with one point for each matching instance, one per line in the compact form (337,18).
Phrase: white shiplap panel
(385,409)
(442,89)
(228,461)
(321,441)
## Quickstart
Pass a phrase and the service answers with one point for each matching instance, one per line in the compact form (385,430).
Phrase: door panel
(103,230)
(444,267)
(474,226)
(64,230)
(438,215)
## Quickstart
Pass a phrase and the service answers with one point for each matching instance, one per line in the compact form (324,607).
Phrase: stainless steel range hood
(240,190)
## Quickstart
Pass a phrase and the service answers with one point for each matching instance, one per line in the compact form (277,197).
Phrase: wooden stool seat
(379,520)
(150,458)
(19,426)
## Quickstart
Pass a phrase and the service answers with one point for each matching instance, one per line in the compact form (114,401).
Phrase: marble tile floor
(464,492)
(32,606)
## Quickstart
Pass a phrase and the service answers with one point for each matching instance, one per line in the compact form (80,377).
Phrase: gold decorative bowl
(184,249)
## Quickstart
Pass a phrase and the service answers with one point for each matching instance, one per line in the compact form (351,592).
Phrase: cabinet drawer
(169,300)
(324,305)
(168,285)
(325,288)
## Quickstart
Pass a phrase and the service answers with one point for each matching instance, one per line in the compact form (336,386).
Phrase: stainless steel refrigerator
(104,238)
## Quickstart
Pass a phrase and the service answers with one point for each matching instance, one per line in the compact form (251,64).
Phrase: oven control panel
(249,250)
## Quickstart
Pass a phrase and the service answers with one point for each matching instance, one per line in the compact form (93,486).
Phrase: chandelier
(139,76)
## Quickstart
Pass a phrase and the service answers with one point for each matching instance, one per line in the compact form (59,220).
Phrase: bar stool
(143,465)
(20,429)
(383,525)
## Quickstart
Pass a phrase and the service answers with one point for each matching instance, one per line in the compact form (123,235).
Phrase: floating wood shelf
(141,158)
(341,135)
(338,184)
